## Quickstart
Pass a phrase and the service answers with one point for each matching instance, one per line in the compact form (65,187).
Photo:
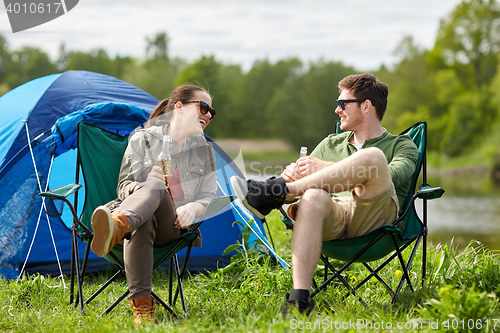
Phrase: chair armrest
(294,200)
(61,192)
(213,207)
(287,221)
(429,193)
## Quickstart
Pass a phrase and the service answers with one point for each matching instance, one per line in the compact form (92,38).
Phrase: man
(351,184)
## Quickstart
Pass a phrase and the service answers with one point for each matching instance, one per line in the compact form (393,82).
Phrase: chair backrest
(100,154)
(412,223)
(418,134)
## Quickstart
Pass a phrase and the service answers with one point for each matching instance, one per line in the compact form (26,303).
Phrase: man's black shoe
(260,197)
(303,306)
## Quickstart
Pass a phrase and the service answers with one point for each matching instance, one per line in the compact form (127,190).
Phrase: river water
(469,209)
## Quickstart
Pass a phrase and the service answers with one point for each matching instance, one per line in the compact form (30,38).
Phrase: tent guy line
(43,208)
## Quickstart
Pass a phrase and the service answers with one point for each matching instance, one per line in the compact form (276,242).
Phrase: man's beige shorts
(352,216)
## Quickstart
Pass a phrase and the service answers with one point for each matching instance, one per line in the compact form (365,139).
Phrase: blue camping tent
(38,122)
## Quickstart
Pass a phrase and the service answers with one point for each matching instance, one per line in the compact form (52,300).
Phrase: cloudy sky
(361,33)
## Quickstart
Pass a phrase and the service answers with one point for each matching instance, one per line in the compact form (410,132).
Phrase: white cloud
(361,33)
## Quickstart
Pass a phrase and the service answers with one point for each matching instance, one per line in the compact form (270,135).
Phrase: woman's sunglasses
(204,108)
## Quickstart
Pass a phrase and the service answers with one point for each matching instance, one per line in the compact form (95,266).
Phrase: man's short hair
(367,86)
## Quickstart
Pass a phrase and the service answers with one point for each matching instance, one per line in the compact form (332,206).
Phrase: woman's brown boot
(144,309)
(108,230)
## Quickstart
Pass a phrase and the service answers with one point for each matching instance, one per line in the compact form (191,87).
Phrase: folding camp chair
(388,240)
(100,154)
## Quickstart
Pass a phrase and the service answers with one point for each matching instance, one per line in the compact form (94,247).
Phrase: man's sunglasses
(204,108)
(343,102)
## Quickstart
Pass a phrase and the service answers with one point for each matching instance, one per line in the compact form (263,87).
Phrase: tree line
(454,86)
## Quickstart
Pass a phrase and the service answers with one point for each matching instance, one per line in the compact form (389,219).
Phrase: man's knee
(374,155)
(374,161)
(316,201)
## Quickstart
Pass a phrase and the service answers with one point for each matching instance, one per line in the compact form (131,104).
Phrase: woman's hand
(157,173)
(187,213)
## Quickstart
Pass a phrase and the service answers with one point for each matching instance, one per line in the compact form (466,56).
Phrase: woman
(145,213)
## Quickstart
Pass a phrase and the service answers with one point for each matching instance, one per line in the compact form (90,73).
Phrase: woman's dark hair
(181,94)
(367,86)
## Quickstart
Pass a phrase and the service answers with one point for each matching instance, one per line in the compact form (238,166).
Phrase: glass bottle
(303,151)
(164,159)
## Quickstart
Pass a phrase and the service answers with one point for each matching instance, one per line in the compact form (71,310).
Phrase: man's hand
(308,165)
(304,166)
(291,173)
(187,213)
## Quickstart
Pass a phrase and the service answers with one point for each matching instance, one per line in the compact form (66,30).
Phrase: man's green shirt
(401,153)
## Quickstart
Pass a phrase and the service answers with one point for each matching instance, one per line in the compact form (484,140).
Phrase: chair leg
(85,260)
(84,265)
(315,285)
(403,265)
(407,268)
(424,257)
(374,273)
(72,271)
(115,303)
(165,305)
(110,280)
(183,270)
(170,283)
(78,277)
(179,283)
(336,274)
(325,277)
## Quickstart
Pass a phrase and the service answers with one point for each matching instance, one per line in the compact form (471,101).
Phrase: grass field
(461,291)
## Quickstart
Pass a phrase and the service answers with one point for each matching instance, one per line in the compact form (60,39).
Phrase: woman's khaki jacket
(195,163)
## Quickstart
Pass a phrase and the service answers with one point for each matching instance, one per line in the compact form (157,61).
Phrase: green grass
(248,296)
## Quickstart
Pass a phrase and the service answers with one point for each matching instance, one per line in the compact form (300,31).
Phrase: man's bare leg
(371,177)
(315,206)
(365,171)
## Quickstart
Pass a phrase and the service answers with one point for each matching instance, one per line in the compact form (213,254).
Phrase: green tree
(302,111)
(27,64)
(222,82)
(469,40)
(157,47)
(157,72)
(472,115)
(5,59)
(417,91)
(490,148)
(256,92)
(96,61)
(62,60)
